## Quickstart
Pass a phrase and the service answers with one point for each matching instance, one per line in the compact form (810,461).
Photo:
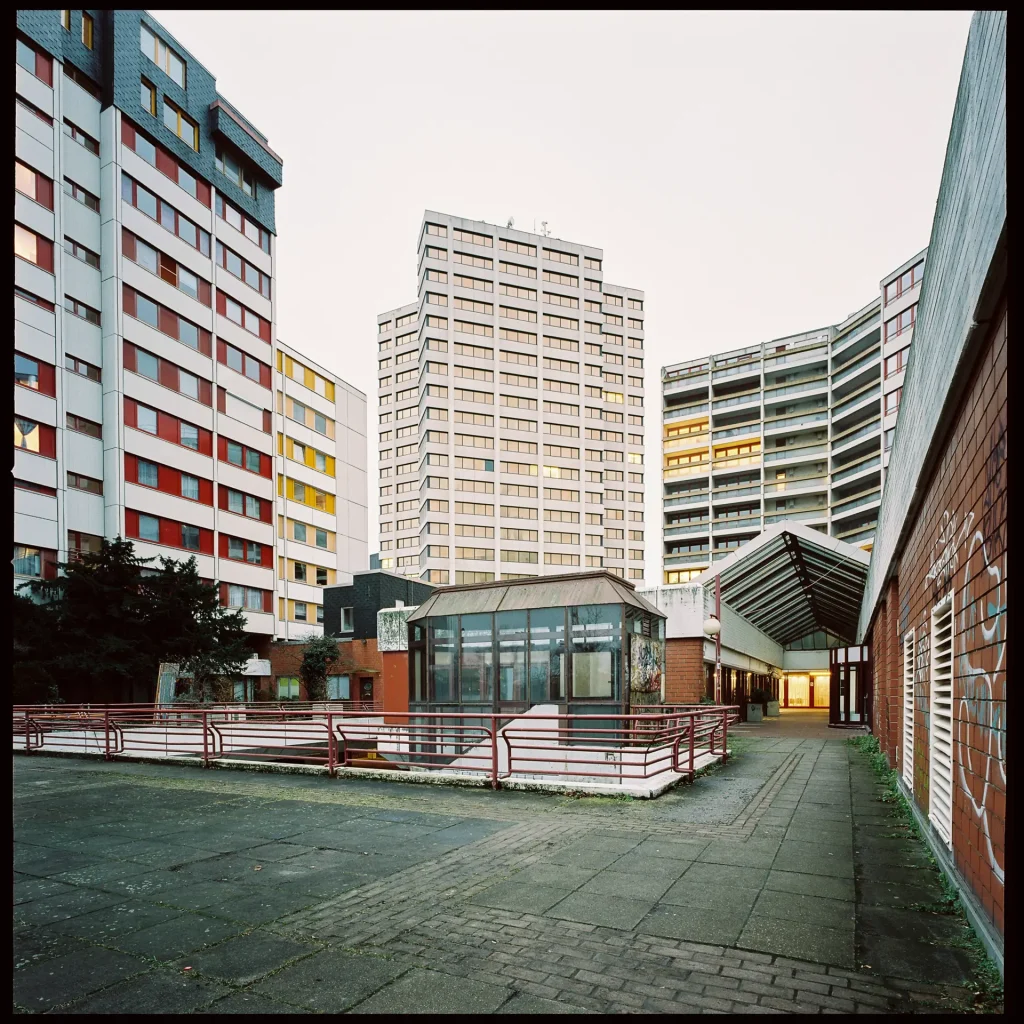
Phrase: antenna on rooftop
(544,229)
(511,221)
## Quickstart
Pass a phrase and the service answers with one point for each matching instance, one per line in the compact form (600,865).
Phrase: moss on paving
(983,990)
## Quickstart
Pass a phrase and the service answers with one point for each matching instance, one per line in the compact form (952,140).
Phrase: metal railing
(610,748)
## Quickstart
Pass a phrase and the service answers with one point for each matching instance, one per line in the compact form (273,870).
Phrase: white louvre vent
(908,710)
(940,744)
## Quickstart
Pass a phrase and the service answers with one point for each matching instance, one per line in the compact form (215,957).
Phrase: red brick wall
(684,670)
(356,658)
(958,543)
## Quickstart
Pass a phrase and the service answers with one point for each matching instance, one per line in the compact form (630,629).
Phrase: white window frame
(940,732)
(347,625)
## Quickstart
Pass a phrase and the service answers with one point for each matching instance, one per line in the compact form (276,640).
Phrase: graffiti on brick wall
(981,721)
(947,547)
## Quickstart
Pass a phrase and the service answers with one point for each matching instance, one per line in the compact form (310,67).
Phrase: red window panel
(266,465)
(128,133)
(128,244)
(223,595)
(170,533)
(131,522)
(222,400)
(205,442)
(131,468)
(265,330)
(168,480)
(46,377)
(167,427)
(222,350)
(205,342)
(128,300)
(43,64)
(203,195)
(166,164)
(205,292)
(167,374)
(268,600)
(268,421)
(265,375)
(205,391)
(168,322)
(222,498)
(131,418)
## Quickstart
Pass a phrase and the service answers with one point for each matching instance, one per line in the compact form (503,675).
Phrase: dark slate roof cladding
(116,63)
(538,592)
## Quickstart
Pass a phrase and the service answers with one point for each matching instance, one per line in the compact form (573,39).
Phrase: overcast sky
(756,174)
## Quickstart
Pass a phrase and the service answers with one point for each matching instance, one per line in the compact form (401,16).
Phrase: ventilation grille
(908,710)
(940,800)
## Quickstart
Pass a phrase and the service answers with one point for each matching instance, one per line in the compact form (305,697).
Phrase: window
(34,63)
(26,371)
(320,539)
(892,401)
(28,561)
(908,279)
(87,29)
(81,309)
(149,528)
(65,20)
(338,687)
(84,426)
(472,237)
(162,55)
(147,97)
(287,688)
(243,270)
(561,257)
(513,268)
(165,214)
(189,436)
(33,184)
(235,172)
(85,483)
(79,252)
(897,361)
(240,222)
(903,322)
(907,754)
(347,621)
(80,195)
(34,248)
(190,487)
(181,124)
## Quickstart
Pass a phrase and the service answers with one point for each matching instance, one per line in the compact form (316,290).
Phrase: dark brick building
(935,604)
(365,596)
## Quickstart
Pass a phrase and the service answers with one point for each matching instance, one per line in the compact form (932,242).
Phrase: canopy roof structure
(537,592)
(792,581)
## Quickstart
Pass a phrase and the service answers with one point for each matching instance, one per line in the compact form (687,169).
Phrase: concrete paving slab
(558,875)
(920,962)
(422,991)
(524,1003)
(788,906)
(727,874)
(330,981)
(716,927)
(641,886)
(61,906)
(812,885)
(522,897)
(814,942)
(754,853)
(106,925)
(199,895)
(702,895)
(71,976)
(255,908)
(814,859)
(245,958)
(248,1003)
(609,911)
(175,937)
(159,991)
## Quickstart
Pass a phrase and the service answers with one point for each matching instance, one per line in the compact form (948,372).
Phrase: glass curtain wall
(596,650)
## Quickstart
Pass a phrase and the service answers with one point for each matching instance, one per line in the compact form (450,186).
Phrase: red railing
(611,748)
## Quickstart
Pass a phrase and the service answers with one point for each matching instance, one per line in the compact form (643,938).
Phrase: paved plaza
(778,883)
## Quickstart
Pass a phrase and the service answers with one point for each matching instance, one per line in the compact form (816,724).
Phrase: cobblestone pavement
(775,884)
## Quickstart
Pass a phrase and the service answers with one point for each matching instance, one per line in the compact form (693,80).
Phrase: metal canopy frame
(792,581)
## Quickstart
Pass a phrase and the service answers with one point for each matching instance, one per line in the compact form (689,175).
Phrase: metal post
(718,640)
(106,734)
(28,733)
(332,747)
(494,753)
(206,750)
(725,735)
(693,729)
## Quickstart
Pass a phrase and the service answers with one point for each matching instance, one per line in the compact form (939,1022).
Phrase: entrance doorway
(366,689)
(850,686)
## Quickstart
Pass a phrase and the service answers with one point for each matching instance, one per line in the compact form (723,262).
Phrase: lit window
(26,434)
(87,27)
(27,561)
(65,20)
(162,55)
(26,372)
(287,688)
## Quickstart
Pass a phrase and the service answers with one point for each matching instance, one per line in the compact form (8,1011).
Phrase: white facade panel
(78,107)
(36,469)
(81,281)
(80,223)
(159,503)
(83,397)
(33,505)
(32,215)
(32,279)
(84,512)
(38,93)
(34,142)
(81,166)
(82,454)
(244,413)
(36,531)
(35,406)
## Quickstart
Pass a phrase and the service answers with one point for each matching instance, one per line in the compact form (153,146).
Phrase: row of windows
(303,533)
(156,156)
(164,214)
(165,267)
(165,320)
(167,374)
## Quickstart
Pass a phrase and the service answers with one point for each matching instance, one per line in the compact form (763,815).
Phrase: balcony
(750,398)
(805,419)
(813,354)
(858,535)
(681,444)
(818,384)
(865,430)
(675,500)
(860,501)
(728,523)
(847,372)
(798,515)
(751,430)
(729,493)
(684,411)
(747,370)
(852,471)
(795,452)
(687,558)
(739,460)
(678,472)
(848,405)
(687,529)
(799,485)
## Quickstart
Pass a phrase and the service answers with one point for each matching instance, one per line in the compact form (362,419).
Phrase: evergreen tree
(102,627)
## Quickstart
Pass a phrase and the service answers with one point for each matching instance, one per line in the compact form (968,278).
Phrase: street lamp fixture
(712,626)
